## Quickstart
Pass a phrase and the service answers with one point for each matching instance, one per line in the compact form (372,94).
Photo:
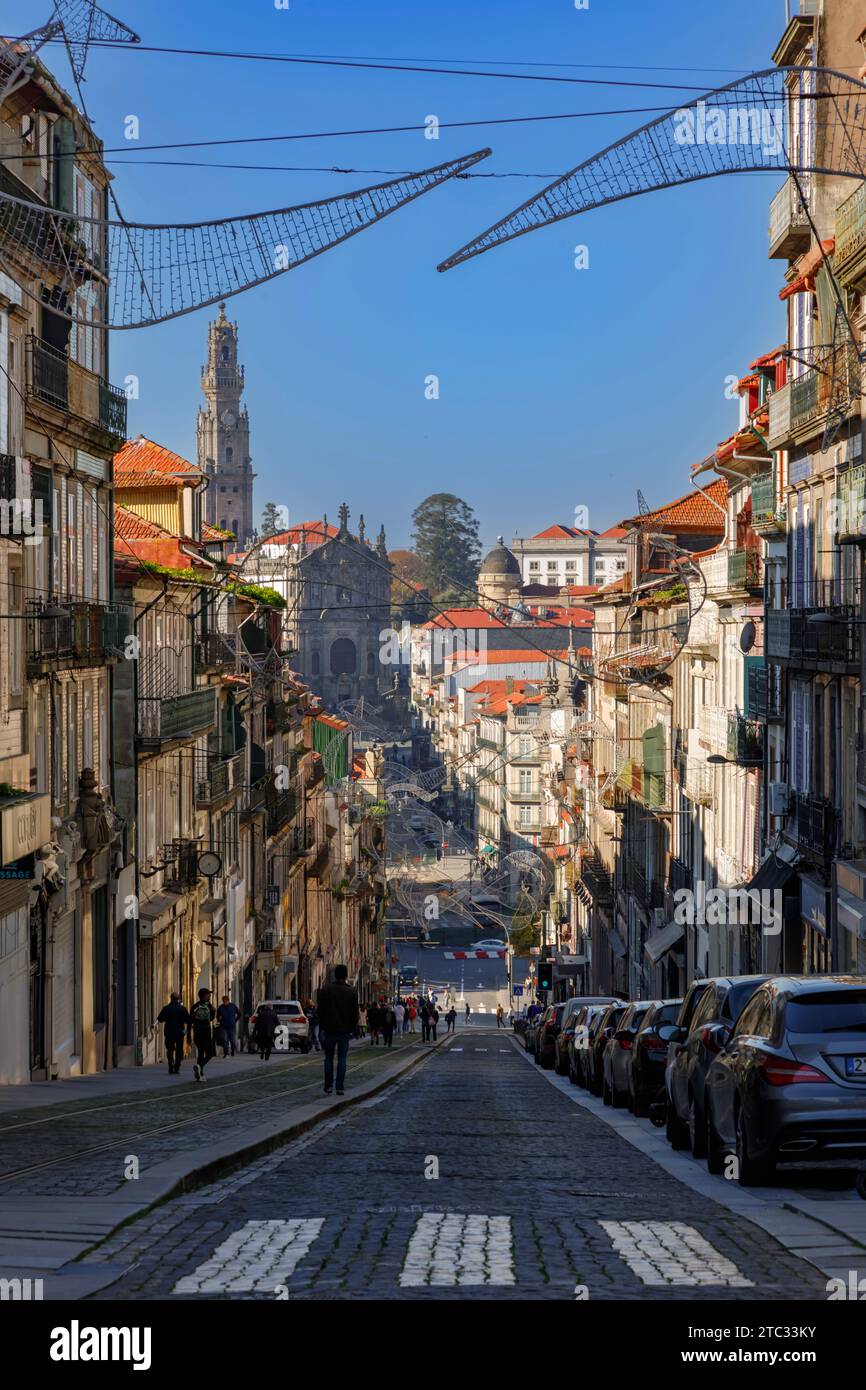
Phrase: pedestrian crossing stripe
(447,1249)
(665,1253)
(255,1259)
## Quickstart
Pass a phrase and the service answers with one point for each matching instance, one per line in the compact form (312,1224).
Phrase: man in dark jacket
(176,1020)
(389,1020)
(432,1020)
(266,1030)
(202,1016)
(227,1018)
(338,1019)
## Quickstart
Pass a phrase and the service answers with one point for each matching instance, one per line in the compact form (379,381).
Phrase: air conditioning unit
(777,798)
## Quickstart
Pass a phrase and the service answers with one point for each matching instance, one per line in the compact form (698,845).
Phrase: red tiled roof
(613,533)
(558,532)
(213,533)
(143,463)
(464,618)
(694,511)
(576,590)
(332,721)
(808,267)
(129,526)
(769,359)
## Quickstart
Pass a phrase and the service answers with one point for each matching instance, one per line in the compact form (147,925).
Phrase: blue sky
(558,387)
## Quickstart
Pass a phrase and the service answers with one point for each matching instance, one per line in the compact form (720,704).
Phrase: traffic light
(544,978)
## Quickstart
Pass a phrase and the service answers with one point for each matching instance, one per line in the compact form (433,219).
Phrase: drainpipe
(135,686)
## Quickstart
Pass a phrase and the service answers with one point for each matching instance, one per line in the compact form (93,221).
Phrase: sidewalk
(57,1202)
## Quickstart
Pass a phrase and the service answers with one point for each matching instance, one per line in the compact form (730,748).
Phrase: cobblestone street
(435,1188)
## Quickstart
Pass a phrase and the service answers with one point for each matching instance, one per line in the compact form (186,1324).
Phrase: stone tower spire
(223,434)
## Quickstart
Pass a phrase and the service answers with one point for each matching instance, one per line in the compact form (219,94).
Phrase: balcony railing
(648,891)
(598,878)
(282,807)
(89,633)
(789,232)
(815,823)
(217,777)
(851,504)
(180,865)
(713,727)
(215,649)
(699,781)
(822,626)
(850,236)
(680,876)
(733,571)
(55,378)
(162,718)
(765,698)
(745,740)
(768,515)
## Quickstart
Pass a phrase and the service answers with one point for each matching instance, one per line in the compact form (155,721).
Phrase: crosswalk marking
(447,1249)
(670,1252)
(254,1259)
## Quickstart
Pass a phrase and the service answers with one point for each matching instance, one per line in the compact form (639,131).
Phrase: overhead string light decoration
(159,272)
(790,120)
(78,23)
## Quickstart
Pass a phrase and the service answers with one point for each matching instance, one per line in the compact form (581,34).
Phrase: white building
(563,555)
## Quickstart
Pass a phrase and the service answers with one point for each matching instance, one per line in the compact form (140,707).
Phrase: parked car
(290,1013)
(617,1054)
(691,1000)
(601,1032)
(790,1083)
(564,1041)
(646,1075)
(571,1005)
(546,1035)
(693,1052)
(532,1026)
(581,1040)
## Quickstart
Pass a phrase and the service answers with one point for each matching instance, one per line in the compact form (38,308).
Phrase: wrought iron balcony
(680,876)
(164,718)
(648,891)
(765,694)
(851,504)
(215,650)
(815,823)
(86,634)
(180,865)
(56,379)
(745,740)
(216,778)
(598,878)
(282,807)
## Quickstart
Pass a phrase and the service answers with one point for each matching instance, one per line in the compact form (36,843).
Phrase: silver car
(790,1082)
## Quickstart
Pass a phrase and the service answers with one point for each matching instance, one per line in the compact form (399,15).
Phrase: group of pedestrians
(203,1026)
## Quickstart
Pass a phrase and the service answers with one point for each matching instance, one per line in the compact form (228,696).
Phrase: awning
(664,941)
(851,913)
(773,873)
(615,941)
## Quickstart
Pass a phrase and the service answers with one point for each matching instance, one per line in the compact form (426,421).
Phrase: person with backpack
(227,1018)
(266,1030)
(202,1016)
(374,1022)
(175,1020)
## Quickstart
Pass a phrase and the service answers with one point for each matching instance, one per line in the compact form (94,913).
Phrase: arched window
(315,664)
(225,354)
(371,663)
(229,454)
(344,657)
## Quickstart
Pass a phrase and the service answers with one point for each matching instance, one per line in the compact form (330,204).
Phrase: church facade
(223,435)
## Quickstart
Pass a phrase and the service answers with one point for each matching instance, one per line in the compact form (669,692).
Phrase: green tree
(446,543)
(409,598)
(271,519)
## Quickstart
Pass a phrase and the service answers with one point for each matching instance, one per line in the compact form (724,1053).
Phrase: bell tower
(223,434)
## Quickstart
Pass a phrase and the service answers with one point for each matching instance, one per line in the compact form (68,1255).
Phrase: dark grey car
(790,1084)
(617,1054)
(695,1049)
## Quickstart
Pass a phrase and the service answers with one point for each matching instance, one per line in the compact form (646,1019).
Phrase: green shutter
(751,663)
(654,750)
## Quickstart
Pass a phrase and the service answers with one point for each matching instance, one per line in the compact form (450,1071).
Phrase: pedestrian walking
(500,1016)
(313,1020)
(175,1020)
(399,1016)
(227,1018)
(425,1022)
(450,1019)
(468,1012)
(202,1017)
(388,1023)
(413,1014)
(338,1019)
(266,1030)
(374,1022)
(432,1020)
